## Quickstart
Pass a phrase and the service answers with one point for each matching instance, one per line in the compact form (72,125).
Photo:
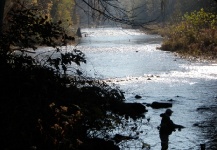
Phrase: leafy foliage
(64,10)
(195,35)
(30,29)
(200,20)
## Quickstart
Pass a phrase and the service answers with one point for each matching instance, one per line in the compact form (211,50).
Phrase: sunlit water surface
(130,59)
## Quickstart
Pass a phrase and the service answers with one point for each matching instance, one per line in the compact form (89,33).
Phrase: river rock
(157,105)
(171,100)
(138,96)
(133,110)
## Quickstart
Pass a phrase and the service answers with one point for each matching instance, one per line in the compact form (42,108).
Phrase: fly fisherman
(166,128)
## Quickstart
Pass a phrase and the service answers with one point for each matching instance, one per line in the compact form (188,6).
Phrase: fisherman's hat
(168,111)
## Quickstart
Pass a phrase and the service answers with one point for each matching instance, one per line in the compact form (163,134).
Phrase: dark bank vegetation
(195,35)
(44,108)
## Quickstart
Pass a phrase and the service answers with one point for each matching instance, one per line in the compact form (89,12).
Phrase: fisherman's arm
(176,126)
(179,127)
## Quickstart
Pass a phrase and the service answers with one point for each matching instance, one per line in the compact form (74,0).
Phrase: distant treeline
(144,11)
(74,13)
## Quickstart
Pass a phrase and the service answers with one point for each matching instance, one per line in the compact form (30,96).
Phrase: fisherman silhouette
(166,128)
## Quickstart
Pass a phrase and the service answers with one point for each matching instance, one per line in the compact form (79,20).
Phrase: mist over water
(130,59)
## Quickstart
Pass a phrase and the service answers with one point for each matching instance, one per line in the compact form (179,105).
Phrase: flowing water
(130,59)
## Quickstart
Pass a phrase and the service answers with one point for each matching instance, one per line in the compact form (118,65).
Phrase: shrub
(194,35)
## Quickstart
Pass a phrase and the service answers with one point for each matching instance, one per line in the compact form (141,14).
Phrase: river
(130,59)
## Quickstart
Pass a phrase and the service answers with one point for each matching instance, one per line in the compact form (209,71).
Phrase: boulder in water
(134,108)
(157,105)
(138,96)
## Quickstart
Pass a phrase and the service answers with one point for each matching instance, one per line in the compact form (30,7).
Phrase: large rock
(131,109)
(157,105)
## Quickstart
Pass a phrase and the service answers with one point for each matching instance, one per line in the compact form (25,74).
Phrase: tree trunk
(2,5)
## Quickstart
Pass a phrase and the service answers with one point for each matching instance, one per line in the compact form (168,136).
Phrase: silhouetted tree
(2,5)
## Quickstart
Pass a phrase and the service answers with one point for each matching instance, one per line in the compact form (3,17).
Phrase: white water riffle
(130,59)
